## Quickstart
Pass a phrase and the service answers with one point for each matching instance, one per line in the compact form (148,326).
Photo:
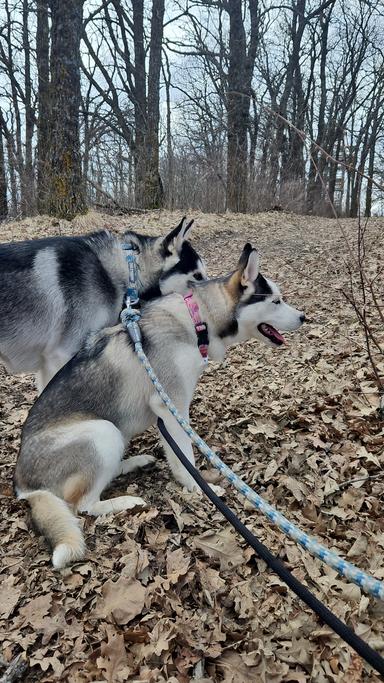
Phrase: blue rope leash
(368,583)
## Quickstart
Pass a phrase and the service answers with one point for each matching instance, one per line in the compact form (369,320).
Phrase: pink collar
(200,327)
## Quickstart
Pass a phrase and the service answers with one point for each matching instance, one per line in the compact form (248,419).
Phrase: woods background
(184,104)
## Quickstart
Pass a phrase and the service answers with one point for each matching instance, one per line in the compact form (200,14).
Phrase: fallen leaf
(221,546)
(122,600)
(113,657)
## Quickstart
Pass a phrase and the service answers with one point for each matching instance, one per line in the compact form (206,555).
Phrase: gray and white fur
(55,291)
(75,436)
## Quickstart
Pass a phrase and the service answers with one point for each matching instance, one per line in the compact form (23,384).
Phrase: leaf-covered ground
(170,593)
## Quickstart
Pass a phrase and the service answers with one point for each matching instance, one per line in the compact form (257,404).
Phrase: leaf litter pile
(171,593)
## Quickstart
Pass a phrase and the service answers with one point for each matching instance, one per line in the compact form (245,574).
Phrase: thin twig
(352,481)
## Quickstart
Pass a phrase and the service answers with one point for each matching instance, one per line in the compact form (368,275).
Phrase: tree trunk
(332,177)
(42,58)
(15,144)
(154,187)
(368,196)
(28,179)
(3,183)
(140,102)
(355,196)
(237,112)
(66,196)
(170,159)
(11,155)
(148,186)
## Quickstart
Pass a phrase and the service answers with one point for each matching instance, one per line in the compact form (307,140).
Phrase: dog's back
(53,292)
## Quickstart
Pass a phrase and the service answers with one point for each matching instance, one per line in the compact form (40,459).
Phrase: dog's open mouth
(271,333)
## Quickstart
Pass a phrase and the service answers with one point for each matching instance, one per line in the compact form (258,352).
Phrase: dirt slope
(171,593)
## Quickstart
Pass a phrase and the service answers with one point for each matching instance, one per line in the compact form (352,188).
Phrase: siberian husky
(55,291)
(75,435)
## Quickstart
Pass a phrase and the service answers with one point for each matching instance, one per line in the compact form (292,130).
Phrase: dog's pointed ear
(249,264)
(174,240)
(247,270)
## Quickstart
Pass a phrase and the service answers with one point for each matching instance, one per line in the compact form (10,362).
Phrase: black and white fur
(55,291)
(75,436)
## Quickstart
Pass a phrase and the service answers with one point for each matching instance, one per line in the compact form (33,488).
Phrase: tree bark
(3,182)
(237,112)
(28,178)
(148,187)
(368,195)
(42,59)
(154,187)
(66,195)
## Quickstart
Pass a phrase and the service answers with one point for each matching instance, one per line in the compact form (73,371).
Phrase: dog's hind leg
(109,445)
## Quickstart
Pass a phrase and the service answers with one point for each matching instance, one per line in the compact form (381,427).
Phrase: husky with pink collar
(74,438)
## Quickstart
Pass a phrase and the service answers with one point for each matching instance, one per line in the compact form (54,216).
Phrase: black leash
(360,646)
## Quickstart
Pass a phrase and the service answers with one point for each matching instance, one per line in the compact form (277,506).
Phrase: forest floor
(171,593)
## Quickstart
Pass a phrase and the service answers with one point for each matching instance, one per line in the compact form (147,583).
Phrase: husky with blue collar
(55,291)
(74,438)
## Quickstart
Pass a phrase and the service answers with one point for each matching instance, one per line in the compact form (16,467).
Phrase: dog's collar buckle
(201,328)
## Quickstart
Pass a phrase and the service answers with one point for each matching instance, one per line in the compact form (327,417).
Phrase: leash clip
(132,291)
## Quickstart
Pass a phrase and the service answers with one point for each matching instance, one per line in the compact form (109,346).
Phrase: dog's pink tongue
(274,334)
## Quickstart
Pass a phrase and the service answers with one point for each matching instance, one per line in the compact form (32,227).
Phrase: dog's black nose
(302,318)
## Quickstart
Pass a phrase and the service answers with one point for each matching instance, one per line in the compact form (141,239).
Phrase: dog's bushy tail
(58,524)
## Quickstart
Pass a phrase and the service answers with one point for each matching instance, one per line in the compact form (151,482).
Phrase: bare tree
(121,37)
(42,62)
(65,184)
(3,182)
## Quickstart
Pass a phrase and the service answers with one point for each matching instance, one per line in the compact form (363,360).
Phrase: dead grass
(170,591)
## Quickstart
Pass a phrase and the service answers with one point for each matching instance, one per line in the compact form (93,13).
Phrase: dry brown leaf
(221,546)
(177,564)
(10,595)
(35,610)
(122,600)
(113,659)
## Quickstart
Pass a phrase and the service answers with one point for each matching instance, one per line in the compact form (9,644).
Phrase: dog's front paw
(136,462)
(145,461)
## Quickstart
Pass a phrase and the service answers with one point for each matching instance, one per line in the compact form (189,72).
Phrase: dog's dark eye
(198,276)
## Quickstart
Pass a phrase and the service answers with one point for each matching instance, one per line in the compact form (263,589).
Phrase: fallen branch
(109,207)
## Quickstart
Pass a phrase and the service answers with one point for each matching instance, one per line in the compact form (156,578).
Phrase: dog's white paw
(136,462)
(145,460)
